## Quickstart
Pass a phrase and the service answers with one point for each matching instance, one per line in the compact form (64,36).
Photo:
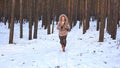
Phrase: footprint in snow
(23,63)
(57,66)
(105,62)
(12,60)
(79,38)
(2,54)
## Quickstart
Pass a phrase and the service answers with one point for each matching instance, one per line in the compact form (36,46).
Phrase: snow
(82,51)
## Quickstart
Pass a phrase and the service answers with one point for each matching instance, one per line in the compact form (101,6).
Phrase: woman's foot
(63,48)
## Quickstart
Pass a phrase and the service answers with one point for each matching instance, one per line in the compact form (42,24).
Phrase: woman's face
(63,19)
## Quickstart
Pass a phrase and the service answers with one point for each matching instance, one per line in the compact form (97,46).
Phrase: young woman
(63,27)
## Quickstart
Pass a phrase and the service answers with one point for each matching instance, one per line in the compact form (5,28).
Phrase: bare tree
(48,16)
(36,19)
(102,23)
(114,18)
(30,19)
(5,12)
(21,18)
(12,23)
(98,14)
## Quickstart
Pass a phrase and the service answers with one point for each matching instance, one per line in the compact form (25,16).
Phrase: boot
(63,48)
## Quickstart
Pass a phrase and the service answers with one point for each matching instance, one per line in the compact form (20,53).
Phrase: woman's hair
(63,15)
(64,18)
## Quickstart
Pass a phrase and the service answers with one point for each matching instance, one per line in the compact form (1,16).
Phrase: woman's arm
(67,27)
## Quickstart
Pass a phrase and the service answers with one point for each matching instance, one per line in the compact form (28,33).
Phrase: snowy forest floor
(82,51)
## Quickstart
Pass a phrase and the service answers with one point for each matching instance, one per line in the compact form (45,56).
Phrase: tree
(82,13)
(48,16)
(53,14)
(36,18)
(98,14)
(119,13)
(12,23)
(30,19)
(83,18)
(109,20)
(9,12)
(114,18)
(102,23)
(87,14)
(5,12)
(21,18)
(69,13)
(44,14)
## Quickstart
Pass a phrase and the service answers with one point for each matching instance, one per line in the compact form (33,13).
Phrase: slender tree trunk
(78,13)
(109,17)
(30,19)
(48,16)
(53,15)
(21,18)
(70,12)
(9,12)
(75,12)
(12,23)
(82,12)
(115,18)
(98,14)
(53,26)
(101,33)
(36,18)
(119,13)
(87,13)
(44,14)
(83,18)
(5,11)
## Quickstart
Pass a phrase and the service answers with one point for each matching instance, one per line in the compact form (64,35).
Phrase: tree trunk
(9,12)
(109,20)
(5,11)
(119,13)
(48,16)
(69,12)
(36,19)
(87,13)
(44,14)
(98,14)
(21,18)
(83,17)
(30,19)
(114,18)
(53,15)
(12,23)
(101,33)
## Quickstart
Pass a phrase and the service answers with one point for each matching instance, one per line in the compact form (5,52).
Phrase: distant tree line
(106,12)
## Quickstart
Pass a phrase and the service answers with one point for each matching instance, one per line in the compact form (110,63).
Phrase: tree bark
(101,33)
(83,17)
(98,14)
(87,13)
(5,12)
(48,16)
(21,18)
(12,23)
(30,19)
(36,19)
(114,18)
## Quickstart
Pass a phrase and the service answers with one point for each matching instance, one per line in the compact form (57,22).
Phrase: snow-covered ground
(82,51)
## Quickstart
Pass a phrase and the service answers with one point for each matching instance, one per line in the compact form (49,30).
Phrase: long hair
(63,15)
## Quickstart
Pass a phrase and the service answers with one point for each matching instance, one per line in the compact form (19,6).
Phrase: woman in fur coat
(63,27)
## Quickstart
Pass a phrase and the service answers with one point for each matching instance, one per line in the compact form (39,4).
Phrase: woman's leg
(63,42)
